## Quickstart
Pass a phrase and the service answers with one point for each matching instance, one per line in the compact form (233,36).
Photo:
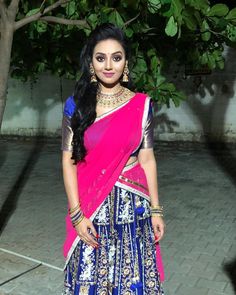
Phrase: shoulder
(144,98)
(69,107)
(137,95)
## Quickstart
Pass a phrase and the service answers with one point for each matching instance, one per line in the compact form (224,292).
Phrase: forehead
(108,46)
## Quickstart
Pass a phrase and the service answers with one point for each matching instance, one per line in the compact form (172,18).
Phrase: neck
(108,89)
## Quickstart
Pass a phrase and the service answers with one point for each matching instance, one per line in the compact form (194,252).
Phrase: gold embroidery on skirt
(84,290)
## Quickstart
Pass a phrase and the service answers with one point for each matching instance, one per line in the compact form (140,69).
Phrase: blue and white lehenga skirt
(125,262)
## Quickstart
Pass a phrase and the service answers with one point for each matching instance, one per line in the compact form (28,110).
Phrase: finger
(91,240)
(160,233)
(156,233)
(93,231)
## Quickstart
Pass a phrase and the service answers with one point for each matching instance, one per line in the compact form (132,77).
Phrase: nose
(108,64)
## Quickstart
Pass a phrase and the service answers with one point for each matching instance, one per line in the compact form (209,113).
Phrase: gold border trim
(132,182)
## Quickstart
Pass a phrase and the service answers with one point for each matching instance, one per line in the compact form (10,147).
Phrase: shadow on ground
(11,200)
(215,112)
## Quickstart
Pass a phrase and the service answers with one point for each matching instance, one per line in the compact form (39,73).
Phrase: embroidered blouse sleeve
(67,133)
(148,130)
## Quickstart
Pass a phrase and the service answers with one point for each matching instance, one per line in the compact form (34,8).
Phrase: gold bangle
(78,221)
(157,207)
(157,214)
(71,210)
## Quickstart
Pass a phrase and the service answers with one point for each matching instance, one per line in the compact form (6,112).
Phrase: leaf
(231,32)
(189,20)
(154,5)
(231,14)
(171,27)
(129,32)
(151,52)
(116,18)
(140,66)
(154,64)
(211,61)
(93,20)
(201,5)
(33,11)
(220,64)
(222,23)
(166,1)
(177,7)
(167,87)
(206,35)
(160,79)
(218,10)
(41,26)
(203,58)
(71,8)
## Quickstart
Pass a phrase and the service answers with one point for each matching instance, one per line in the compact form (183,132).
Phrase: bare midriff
(131,160)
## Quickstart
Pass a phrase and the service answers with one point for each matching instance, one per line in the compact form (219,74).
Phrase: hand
(158,227)
(87,233)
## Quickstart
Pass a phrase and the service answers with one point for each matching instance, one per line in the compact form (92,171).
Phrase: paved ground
(197,188)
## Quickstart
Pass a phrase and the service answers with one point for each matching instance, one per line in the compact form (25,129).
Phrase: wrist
(156,211)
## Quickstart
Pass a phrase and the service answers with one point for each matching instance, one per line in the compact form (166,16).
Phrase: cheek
(119,67)
(97,66)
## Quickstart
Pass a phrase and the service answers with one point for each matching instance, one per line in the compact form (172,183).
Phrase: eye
(100,58)
(117,58)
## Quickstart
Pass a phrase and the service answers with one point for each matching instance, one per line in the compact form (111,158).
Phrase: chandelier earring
(93,78)
(126,73)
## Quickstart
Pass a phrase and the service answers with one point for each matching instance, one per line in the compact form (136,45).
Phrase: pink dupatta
(109,142)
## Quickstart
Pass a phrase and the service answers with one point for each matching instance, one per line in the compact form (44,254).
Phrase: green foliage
(160,31)
(171,27)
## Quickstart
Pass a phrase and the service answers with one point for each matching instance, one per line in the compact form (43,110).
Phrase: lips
(108,75)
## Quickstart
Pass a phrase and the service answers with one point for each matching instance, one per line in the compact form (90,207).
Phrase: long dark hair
(85,91)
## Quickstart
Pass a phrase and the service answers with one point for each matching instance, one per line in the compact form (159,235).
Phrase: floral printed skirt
(125,262)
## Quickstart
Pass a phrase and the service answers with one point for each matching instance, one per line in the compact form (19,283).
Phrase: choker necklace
(112,99)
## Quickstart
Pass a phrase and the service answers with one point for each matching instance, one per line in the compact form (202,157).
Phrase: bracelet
(157,207)
(76,215)
(78,221)
(71,210)
(156,210)
(157,214)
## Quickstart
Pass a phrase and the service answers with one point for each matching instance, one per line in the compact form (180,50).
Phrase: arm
(70,179)
(84,228)
(148,163)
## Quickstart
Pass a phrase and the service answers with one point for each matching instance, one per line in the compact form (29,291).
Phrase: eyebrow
(101,53)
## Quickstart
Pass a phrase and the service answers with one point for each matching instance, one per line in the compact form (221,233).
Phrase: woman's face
(108,61)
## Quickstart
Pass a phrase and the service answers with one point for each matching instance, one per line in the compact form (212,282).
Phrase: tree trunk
(6,33)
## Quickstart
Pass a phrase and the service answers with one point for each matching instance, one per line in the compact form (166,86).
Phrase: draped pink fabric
(109,143)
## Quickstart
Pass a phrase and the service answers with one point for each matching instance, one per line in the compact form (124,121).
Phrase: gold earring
(93,78)
(125,73)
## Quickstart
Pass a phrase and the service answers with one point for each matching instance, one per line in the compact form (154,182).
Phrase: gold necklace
(112,100)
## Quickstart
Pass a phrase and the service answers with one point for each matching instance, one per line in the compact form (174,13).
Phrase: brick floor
(200,214)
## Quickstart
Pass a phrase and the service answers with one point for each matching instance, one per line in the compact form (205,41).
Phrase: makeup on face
(108,61)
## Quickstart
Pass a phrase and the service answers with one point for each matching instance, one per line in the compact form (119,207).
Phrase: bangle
(156,210)
(78,221)
(71,210)
(157,215)
(76,216)
(157,207)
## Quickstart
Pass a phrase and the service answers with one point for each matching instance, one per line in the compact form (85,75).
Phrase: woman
(114,220)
